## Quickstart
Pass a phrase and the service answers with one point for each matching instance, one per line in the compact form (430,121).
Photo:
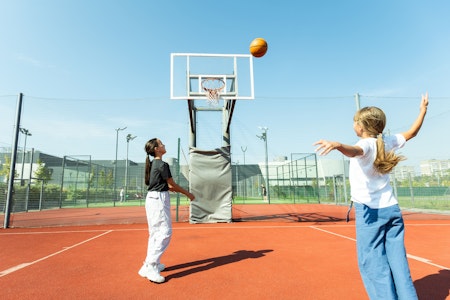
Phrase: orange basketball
(258,47)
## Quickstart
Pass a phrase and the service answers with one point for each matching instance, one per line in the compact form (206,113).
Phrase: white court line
(202,226)
(329,232)
(426,261)
(198,226)
(53,232)
(21,266)
(418,258)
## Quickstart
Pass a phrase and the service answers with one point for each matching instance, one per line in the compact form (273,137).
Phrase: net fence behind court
(95,170)
(72,182)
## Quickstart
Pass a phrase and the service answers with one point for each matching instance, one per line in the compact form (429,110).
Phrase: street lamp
(27,133)
(129,138)
(115,162)
(237,177)
(264,138)
(245,176)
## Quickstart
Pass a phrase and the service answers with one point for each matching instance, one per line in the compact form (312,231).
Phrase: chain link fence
(47,179)
(303,179)
(78,181)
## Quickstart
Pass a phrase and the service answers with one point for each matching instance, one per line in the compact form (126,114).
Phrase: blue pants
(381,253)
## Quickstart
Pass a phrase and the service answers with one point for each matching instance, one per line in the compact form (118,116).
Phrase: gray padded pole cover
(210,182)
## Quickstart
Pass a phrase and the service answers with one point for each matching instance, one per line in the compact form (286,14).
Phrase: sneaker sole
(157,280)
(161,267)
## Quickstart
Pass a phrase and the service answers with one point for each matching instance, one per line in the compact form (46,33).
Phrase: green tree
(4,170)
(102,178)
(43,173)
(92,177)
(109,178)
(106,178)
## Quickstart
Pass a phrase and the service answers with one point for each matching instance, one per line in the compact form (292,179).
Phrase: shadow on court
(210,263)
(318,213)
(434,286)
(291,217)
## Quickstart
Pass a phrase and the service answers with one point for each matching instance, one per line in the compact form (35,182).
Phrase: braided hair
(373,120)
(150,150)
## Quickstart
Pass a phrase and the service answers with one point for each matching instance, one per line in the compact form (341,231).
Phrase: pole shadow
(291,217)
(434,286)
(214,262)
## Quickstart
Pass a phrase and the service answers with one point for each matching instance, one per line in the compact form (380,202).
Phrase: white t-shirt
(368,186)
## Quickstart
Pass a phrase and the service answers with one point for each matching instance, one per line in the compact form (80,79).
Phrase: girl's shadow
(434,286)
(206,264)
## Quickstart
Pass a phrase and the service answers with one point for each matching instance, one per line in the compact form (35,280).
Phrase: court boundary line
(414,257)
(196,226)
(58,232)
(333,233)
(24,265)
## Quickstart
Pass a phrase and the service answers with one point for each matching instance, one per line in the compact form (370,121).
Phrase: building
(404,172)
(434,167)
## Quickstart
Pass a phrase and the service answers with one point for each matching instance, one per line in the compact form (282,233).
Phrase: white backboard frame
(187,70)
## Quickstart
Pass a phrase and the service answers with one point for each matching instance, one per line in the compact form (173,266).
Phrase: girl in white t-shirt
(379,224)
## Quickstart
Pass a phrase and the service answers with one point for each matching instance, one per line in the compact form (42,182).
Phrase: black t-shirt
(159,174)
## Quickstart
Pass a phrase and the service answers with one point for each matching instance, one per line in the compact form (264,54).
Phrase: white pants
(157,208)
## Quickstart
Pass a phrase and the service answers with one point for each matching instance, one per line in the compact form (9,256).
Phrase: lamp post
(245,176)
(27,133)
(263,137)
(357,101)
(237,177)
(129,138)
(115,163)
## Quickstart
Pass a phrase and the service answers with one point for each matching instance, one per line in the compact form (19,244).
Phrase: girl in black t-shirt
(157,206)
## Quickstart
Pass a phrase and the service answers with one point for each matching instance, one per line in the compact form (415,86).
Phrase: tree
(106,178)
(92,177)
(4,171)
(43,173)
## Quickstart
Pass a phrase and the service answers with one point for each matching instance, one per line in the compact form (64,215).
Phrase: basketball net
(212,87)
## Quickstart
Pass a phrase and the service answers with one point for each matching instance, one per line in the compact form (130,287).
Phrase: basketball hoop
(212,87)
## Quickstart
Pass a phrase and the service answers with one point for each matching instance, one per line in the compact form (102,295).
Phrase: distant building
(404,172)
(434,167)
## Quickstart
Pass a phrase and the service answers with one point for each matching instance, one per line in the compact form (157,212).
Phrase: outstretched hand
(191,196)
(424,102)
(325,146)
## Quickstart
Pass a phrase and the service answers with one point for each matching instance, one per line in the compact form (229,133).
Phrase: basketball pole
(193,121)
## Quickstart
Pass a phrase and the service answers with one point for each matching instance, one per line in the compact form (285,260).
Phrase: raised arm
(326,146)
(415,127)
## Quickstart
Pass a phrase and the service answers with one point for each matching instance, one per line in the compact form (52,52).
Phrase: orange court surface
(277,251)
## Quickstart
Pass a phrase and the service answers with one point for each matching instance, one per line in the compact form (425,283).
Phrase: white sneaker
(144,270)
(153,274)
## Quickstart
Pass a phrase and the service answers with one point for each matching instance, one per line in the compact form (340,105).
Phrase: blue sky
(88,67)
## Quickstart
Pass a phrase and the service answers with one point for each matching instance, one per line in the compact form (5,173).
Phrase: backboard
(189,70)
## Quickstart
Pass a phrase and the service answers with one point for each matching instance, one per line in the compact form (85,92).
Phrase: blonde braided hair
(373,120)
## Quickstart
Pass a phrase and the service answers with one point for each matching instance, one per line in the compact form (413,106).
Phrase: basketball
(258,47)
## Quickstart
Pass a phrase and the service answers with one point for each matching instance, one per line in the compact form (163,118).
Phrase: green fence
(296,181)
(81,182)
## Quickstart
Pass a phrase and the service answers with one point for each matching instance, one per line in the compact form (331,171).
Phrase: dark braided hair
(150,150)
